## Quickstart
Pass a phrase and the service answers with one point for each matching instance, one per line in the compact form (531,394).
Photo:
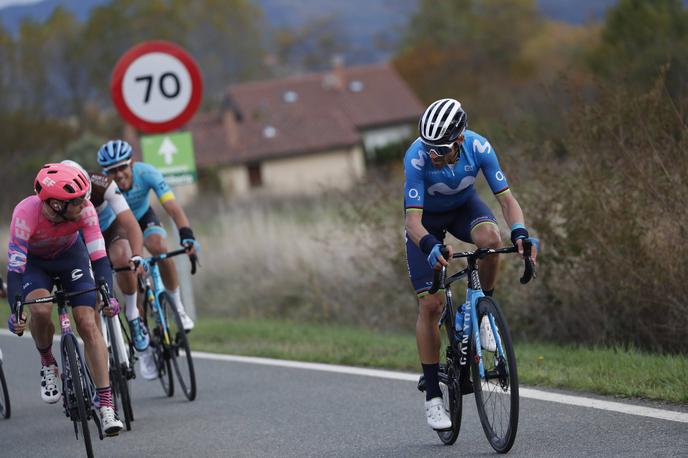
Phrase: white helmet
(443,122)
(76,165)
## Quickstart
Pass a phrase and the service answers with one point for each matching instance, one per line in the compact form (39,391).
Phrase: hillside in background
(372,28)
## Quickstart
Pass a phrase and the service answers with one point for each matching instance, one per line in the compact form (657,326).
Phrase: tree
(638,38)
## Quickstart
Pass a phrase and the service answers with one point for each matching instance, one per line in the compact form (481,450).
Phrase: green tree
(638,38)
(471,50)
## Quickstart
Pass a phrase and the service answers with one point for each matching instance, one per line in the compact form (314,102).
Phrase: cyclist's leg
(37,282)
(429,305)
(75,275)
(475,223)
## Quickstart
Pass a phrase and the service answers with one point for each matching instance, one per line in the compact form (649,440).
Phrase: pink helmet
(60,181)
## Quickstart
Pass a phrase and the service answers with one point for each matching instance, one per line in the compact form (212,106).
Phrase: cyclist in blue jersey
(135,181)
(440,169)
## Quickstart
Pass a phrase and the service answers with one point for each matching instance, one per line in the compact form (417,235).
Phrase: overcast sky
(4,3)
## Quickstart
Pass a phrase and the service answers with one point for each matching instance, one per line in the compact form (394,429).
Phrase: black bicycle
(470,367)
(78,389)
(5,408)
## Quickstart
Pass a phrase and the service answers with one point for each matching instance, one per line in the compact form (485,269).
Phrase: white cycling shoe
(487,339)
(147,366)
(50,392)
(436,415)
(187,322)
(111,424)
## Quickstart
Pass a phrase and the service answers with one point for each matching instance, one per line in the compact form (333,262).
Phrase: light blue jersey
(144,178)
(439,190)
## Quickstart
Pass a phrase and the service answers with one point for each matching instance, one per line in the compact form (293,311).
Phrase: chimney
(231,117)
(336,78)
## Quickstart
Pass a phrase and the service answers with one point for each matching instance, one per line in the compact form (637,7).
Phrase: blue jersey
(439,190)
(144,178)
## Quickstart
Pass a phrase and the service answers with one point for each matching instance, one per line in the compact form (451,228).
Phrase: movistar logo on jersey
(481,148)
(445,189)
(419,163)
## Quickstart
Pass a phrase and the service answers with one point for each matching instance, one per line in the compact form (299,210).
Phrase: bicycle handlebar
(156,259)
(102,287)
(528,272)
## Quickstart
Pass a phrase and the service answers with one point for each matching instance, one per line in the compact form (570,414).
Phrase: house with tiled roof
(300,134)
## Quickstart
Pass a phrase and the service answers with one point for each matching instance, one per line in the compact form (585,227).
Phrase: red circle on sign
(117,83)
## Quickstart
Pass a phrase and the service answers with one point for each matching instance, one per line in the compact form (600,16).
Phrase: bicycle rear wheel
(496,394)
(74,377)
(453,404)
(5,408)
(179,348)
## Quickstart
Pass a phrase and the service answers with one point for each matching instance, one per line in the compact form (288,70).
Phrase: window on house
(255,177)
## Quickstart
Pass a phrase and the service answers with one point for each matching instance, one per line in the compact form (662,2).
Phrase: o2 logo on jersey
(481,147)
(499,175)
(413,193)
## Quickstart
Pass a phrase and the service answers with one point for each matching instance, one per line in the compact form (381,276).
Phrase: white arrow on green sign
(172,154)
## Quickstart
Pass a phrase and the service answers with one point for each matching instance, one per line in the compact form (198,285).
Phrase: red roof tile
(310,113)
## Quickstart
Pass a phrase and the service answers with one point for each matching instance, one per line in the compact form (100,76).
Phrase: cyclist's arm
(95,244)
(128,221)
(510,209)
(176,212)
(125,217)
(21,228)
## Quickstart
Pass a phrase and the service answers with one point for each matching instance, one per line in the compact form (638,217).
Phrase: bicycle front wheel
(5,409)
(75,376)
(496,393)
(118,378)
(161,355)
(179,348)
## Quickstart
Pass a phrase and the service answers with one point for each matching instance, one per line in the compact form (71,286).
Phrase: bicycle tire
(5,407)
(182,363)
(76,374)
(127,368)
(118,379)
(453,403)
(502,370)
(160,352)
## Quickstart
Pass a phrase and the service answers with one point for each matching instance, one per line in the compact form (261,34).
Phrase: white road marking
(529,393)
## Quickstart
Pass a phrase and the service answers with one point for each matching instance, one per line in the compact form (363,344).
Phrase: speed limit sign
(156,86)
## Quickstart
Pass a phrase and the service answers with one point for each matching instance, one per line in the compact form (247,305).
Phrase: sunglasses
(75,201)
(440,150)
(117,169)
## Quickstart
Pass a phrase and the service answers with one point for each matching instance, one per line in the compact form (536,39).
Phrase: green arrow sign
(172,154)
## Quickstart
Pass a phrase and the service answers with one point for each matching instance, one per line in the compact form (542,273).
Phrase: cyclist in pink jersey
(45,245)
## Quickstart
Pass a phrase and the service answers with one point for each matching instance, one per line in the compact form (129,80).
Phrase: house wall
(376,138)
(305,174)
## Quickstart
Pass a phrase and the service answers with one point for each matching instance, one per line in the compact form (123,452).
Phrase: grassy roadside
(609,371)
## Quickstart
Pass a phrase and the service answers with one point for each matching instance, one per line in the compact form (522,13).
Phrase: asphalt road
(256,410)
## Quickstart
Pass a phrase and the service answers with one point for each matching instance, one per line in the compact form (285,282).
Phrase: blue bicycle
(167,336)
(487,369)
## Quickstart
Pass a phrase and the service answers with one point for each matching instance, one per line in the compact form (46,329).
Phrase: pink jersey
(31,232)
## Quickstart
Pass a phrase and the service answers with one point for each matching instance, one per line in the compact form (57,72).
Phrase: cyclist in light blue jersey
(440,168)
(135,181)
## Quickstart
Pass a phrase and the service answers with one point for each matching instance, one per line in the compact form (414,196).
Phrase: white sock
(132,310)
(176,297)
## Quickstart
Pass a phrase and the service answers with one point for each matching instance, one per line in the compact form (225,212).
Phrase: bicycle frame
(150,266)
(466,321)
